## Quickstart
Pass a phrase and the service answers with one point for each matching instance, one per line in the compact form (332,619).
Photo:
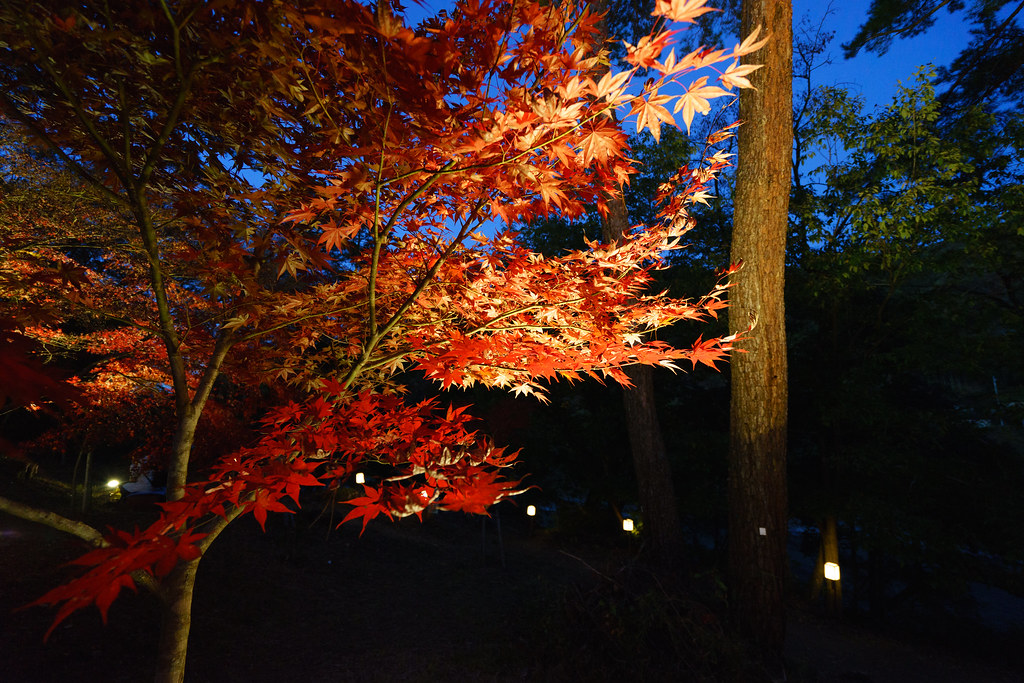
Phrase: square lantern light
(627,524)
(831,571)
(531,510)
(360,478)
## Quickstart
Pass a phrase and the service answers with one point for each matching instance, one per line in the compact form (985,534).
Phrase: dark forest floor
(411,602)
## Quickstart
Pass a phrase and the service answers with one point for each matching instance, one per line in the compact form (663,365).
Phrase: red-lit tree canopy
(319,193)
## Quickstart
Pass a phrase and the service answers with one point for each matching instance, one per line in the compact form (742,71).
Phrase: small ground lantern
(831,571)
(113,484)
(360,478)
(531,510)
(627,524)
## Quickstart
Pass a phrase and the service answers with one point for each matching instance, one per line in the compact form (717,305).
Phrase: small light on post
(531,510)
(360,478)
(627,524)
(831,571)
(113,484)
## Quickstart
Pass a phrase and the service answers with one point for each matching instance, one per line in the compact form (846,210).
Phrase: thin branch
(75,528)
(118,166)
(377,239)
(523,309)
(220,352)
(588,566)
(988,44)
(906,29)
(218,524)
(12,110)
(294,321)
(471,221)
(371,344)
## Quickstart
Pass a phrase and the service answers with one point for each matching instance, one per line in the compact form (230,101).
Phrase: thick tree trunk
(757,448)
(176,620)
(662,528)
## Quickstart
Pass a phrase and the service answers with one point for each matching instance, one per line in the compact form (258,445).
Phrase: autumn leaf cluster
(319,195)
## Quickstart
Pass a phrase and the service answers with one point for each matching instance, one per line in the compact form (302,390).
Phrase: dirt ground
(404,602)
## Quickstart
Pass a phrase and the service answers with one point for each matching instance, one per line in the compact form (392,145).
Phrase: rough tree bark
(757,446)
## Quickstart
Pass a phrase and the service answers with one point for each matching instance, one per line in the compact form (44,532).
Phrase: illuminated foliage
(321,195)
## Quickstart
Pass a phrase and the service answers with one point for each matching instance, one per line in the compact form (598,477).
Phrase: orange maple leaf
(650,113)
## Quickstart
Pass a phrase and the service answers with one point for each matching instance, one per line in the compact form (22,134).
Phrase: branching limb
(75,528)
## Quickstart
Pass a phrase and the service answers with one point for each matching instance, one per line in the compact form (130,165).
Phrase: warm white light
(113,483)
(831,571)
(627,524)
(531,510)
(360,478)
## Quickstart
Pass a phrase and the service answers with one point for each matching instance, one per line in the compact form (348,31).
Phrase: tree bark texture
(662,528)
(176,621)
(758,415)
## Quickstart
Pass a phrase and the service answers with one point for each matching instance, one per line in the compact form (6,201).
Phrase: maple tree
(64,252)
(304,193)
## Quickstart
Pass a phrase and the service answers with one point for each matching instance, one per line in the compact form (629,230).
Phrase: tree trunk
(181,452)
(176,620)
(757,447)
(176,613)
(830,553)
(662,528)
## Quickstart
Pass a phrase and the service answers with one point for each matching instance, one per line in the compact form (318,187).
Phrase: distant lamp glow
(627,524)
(360,478)
(531,510)
(113,484)
(831,571)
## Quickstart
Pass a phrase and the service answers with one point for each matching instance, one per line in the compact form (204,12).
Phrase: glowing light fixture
(531,510)
(360,478)
(831,571)
(113,483)
(627,524)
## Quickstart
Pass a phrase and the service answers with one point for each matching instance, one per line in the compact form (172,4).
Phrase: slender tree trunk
(758,418)
(177,587)
(181,452)
(830,553)
(176,621)
(662,528)
(653,471)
